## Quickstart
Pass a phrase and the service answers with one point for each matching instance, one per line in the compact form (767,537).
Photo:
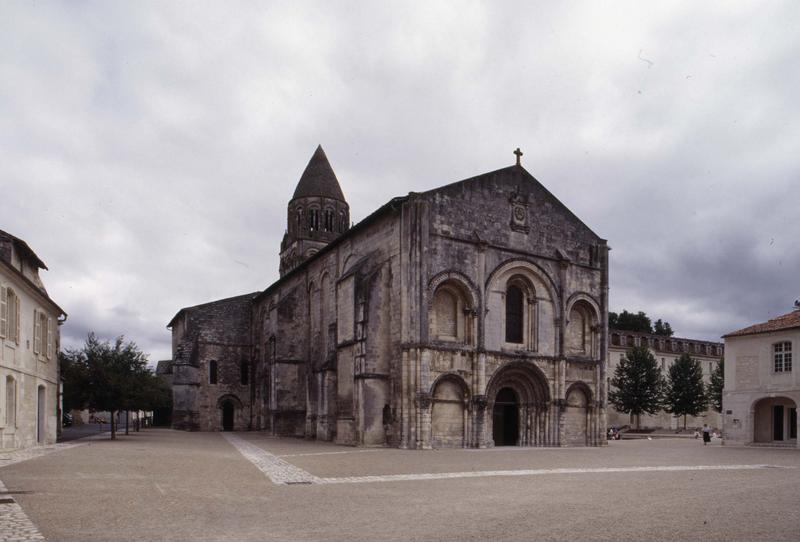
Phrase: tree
(662,328)
(147,392)
(714,390)
(74,376)
(104,376)
(637,385)
(685,394)
(627,321)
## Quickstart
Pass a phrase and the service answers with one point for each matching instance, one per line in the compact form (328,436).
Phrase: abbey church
(471,315)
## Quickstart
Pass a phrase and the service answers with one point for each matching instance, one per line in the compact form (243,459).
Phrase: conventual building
(471,315)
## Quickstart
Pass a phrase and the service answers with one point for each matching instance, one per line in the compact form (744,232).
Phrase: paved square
(167,485)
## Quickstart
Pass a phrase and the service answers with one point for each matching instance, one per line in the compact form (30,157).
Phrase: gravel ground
(167,485)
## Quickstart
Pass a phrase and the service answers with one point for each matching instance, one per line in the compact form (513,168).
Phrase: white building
(762,388)
(29,342)
(666,350)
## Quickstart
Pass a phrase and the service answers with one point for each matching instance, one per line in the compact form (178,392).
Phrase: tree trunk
(113,427)
(137,421)
(127,421)
(684,422)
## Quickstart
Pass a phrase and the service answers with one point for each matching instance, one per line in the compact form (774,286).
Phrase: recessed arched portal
(505,418)
(228,406)
(519,406)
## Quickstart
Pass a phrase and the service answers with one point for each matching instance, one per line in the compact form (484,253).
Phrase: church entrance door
(505,418)
(227,416)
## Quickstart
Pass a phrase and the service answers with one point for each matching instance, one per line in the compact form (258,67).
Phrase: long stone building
(29,343)
(666,350)
(471,315)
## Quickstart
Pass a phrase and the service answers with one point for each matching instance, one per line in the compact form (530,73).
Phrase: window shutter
(37,333)
(16,319)
(49,338)
(3,311)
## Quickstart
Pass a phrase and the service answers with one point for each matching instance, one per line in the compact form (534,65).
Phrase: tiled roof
(318,179)
(787,321)
(22,246)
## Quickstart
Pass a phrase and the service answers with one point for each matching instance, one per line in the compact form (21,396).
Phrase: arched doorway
(519,407)
(40,416)
(505,418)
(228,411)
(775,420)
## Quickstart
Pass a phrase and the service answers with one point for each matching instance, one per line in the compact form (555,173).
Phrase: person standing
(706,434)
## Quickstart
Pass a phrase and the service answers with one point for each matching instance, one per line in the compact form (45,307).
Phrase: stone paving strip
(15,526)
(284,473)
(331,453)
(532,472)
(276,469)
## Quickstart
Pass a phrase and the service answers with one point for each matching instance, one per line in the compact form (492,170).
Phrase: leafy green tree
(637,386)
(685,394)
(714,390)
(662,328)
(627,321)
(147,392)
(74,376)
(105,375)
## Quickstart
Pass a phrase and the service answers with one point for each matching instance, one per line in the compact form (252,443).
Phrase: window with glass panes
(782,356)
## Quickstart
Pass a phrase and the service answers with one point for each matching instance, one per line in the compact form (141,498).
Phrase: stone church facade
(471,315)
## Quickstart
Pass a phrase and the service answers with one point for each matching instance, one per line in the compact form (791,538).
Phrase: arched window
(445,305)
(299,218)
(582,332)
(451,317)
(212,372)
(245,373)
(342,222)
(329,220)
(577,330)
(313,219)
(515,303)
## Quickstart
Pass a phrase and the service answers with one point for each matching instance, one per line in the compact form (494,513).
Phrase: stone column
(479,404)
(424,404)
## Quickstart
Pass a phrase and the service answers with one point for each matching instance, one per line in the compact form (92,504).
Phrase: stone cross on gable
(519,156)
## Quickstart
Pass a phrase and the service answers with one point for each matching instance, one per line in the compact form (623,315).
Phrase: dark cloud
(149,150)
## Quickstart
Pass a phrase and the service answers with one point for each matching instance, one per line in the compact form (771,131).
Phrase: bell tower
(317,213)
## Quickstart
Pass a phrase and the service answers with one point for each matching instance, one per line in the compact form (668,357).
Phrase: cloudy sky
(148,150)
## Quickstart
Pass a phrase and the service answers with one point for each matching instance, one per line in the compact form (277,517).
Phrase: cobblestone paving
(276,469)
(15,526)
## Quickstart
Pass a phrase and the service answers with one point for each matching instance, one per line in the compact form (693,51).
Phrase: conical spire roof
(318,179)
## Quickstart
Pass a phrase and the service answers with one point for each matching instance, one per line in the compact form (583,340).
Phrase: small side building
(666,350)
(29,343)
(762,388)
